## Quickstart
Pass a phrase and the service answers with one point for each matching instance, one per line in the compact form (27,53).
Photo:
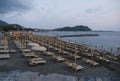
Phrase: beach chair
(111,57)
(68,49)
(56,49)
(106,60)
(51,47)
(91,62)
(13,51)
(21,46)
(65,52)
(76,67)
(74,56)
(48,53)
(103,59)
(73,66)
(58,58)
(3,47)
(99,57)
(37,60)
(29,54)
(67,63)
(25,50)
(86,60)
(87,54)
(4,56)
(4,51)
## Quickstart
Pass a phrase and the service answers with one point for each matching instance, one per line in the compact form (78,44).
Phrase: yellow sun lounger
(92,62)
(4,56)
(58,58)
(74,66)
(48,53)
(74,56)
(102,59)
(111,57)
(37,60)
(29,54)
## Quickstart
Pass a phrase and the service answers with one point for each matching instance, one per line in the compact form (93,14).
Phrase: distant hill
(11,27)
(4,26)
(3,23)
(75,28)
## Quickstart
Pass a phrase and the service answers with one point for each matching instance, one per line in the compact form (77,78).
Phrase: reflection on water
(107,39)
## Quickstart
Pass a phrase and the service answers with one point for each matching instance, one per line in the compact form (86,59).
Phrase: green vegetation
(11,27)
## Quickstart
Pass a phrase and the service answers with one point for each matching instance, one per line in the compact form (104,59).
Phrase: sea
(105,40)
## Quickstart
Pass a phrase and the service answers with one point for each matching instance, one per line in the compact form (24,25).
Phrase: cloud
(13,5)
(92,10)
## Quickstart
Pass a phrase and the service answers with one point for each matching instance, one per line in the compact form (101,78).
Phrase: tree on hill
(11,27)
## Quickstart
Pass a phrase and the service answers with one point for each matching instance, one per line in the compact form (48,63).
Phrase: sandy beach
(17,62)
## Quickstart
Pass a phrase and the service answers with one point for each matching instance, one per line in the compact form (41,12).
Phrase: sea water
(107,40)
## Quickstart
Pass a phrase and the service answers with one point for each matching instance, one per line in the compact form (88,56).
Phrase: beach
(17,62)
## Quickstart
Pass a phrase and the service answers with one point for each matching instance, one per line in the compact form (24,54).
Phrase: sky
(50,14)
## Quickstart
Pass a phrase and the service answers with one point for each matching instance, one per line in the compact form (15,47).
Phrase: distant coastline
(4,26)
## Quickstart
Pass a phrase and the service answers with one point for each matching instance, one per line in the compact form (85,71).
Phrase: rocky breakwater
(79,35)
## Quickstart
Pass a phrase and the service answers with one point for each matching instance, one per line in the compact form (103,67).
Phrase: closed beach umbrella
(5,41)
(33,44)
(39,48)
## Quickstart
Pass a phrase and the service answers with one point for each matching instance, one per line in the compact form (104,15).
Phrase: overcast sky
(96,14)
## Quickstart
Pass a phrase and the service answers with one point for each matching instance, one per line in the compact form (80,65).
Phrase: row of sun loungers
(35,59)
(58,58)
(4,52)
(65,52)
(19,45)
(25,52)
(57,46)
